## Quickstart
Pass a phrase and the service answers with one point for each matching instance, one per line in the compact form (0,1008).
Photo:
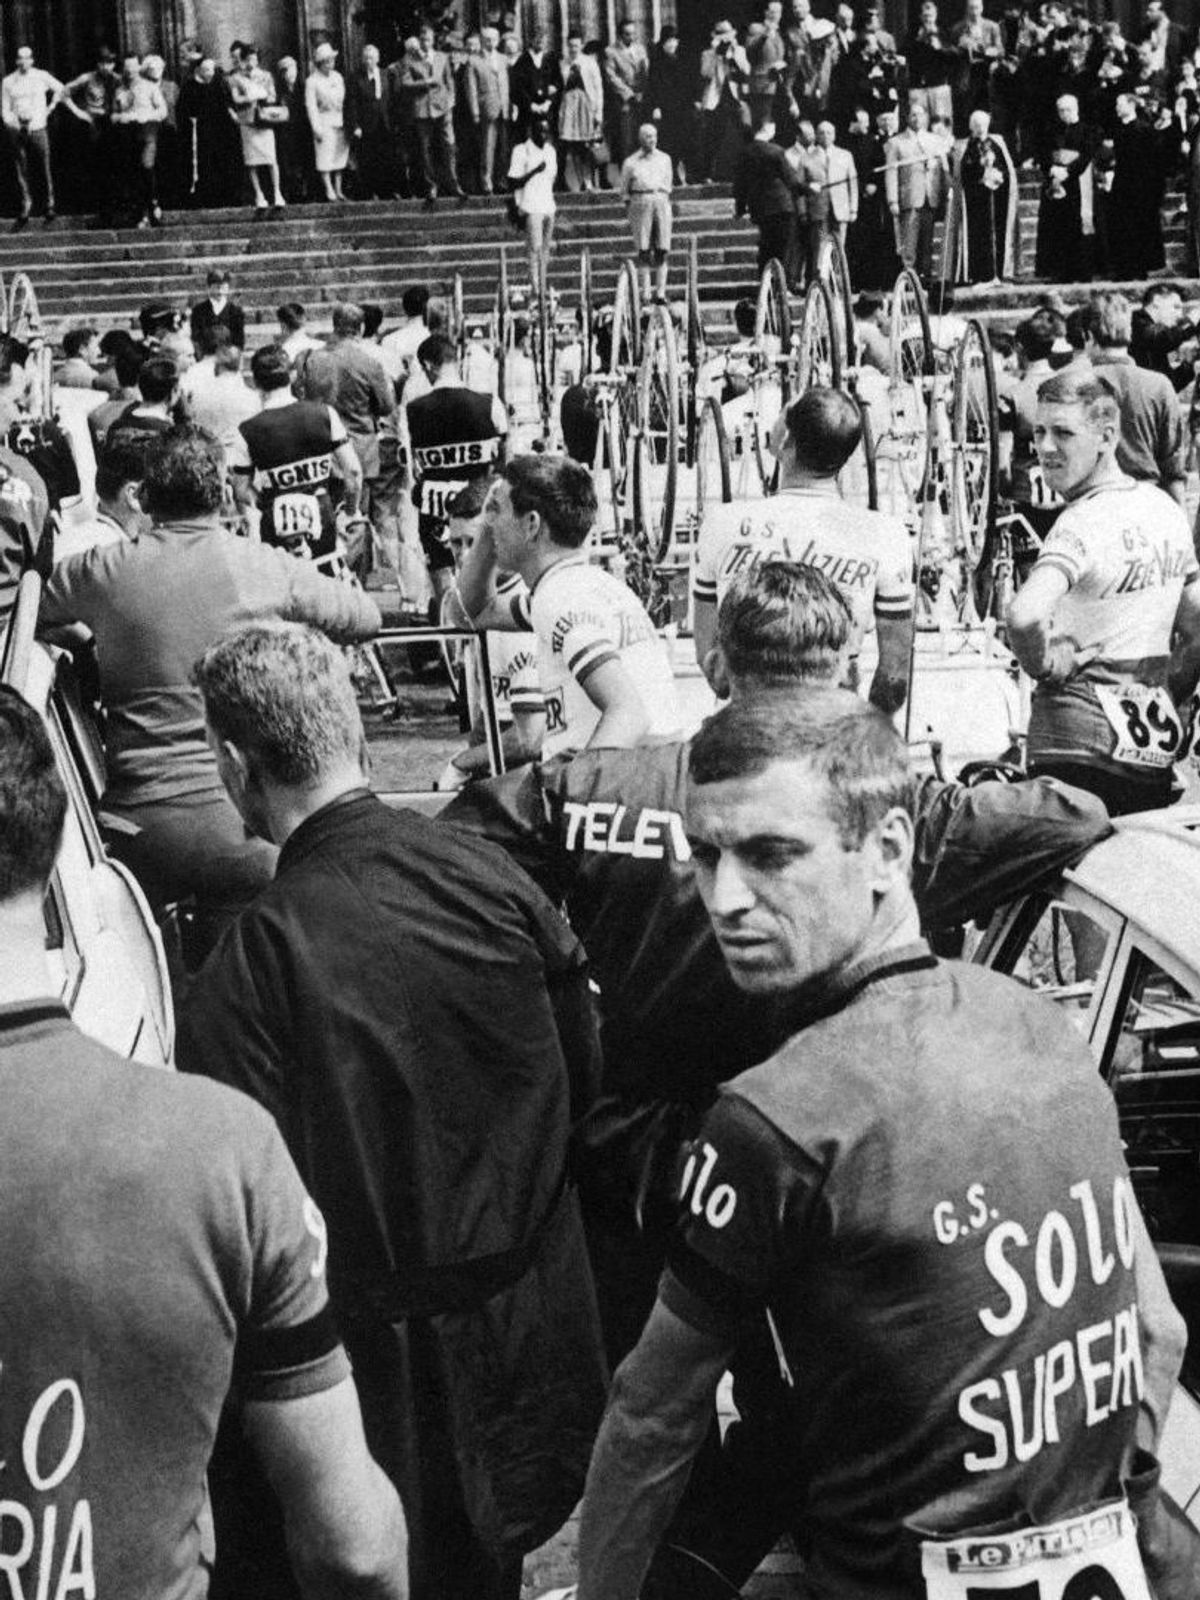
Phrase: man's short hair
(184,475)
(845,741)
(119,463)
(1038,334)
(436,352)
(372,320)
(290,315)
(824,428)
(347,319)
(868,304)
(745,315)
(468,502)
(1109,319)
(415,298)
(216,275)
(158,379)
(270,368)
(1160,291)
(282,693)
(76,340)
(560,490)
(781,623)
(33,801)
(227,358)
(1082,388)
(128,363)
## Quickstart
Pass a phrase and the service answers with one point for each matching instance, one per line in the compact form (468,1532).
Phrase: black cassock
(1065,217)
(986,191)
(209,149)
(1135,237)
(871,239)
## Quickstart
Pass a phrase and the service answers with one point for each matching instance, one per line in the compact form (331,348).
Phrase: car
(104,946)
(1116,943)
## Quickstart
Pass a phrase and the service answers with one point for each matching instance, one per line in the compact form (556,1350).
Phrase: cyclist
(1112,593)
(867,554)
(287,459)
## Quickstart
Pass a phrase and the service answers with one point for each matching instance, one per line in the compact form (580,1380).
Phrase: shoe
(142,223)
(261,213)
(156,216)
(430,203)
(51,214)
(21,222)
(461,196)
(278,211)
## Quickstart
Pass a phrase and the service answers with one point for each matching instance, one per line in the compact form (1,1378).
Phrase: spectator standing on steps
(427,76)
(766,185)
(534,84)
(1164,340)
(580,115)
(325,102)
(27,97)
(531,173)
(646,180)
(89,98)
(671,103)
(1150,447)
(915,181)
(370,120)
(832,182)
(488,104)
(626,78)
(251,91)
(218,310)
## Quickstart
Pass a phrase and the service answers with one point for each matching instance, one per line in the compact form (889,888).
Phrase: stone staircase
(369,251)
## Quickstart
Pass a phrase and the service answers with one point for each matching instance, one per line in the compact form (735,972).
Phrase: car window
(1060,957)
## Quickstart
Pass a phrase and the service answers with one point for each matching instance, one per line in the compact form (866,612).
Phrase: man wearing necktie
(832,183)
(371,122)
(915,181)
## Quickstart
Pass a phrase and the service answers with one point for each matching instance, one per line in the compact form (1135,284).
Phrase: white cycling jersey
(867,554)
(583,617)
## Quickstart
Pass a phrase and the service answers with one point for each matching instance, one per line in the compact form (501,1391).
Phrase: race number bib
(297,516)
(1147,727)
(1092,1556)
(436,495)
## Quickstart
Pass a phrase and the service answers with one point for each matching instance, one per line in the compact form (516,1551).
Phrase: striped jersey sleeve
(895,582)
(1066,549)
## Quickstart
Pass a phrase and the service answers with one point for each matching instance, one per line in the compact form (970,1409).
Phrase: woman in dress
(252,91)
(325,98)
(580,114)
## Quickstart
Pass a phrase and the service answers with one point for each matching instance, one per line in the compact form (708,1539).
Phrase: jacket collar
(315,829)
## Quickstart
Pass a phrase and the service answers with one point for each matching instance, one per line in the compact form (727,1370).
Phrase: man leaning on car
(142,1278)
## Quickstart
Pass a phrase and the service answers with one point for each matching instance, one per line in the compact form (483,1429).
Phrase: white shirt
(25,96)
(74,538)
(583,617)
(537,195)
(1126,551)
(297,343)
(513,659)
(868,555)
(222,403)
(398,349)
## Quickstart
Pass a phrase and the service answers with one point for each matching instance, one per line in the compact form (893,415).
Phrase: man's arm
(1170,454)
(477,589)
(343,1520)
(889,686)
(659,1411)
(346,614)
(1184,671)
(623,718)
(349,470)
(1029,620)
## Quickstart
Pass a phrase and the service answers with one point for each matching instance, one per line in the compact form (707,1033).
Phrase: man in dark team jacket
(417,1017)
(603,833)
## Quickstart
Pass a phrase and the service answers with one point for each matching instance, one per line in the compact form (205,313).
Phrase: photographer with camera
(724,112)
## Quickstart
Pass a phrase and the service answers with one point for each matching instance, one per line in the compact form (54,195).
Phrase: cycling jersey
(288,450)
(868,555)
(1126,553)
(584,617)
(957,1315)
(513,664)
(454,439)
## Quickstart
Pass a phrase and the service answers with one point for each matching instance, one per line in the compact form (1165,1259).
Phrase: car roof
(1148,870)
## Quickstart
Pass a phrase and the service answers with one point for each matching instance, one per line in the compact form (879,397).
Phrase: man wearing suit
(370,123)
(488,103)
(980,44)
(427,76)
(535,85)
(626,76)
(830,178)
(915,180)
(1165,39)
(766,185)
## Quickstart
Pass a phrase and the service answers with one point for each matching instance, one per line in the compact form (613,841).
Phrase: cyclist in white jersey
(606,675)
(1108,622)
(868,555)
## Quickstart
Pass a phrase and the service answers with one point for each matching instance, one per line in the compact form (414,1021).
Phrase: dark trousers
(26,144)
(1120,795)
(777,242)
(435,140)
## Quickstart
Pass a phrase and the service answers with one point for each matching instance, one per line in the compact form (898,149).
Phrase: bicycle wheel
(503,329)
(544,364)
(714,482)
(696,352)
(586,293)
(819,358)
(658,434)
(622,412)
(769,382)
(627,316)
(906,442)
(976,447)
(834,272)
